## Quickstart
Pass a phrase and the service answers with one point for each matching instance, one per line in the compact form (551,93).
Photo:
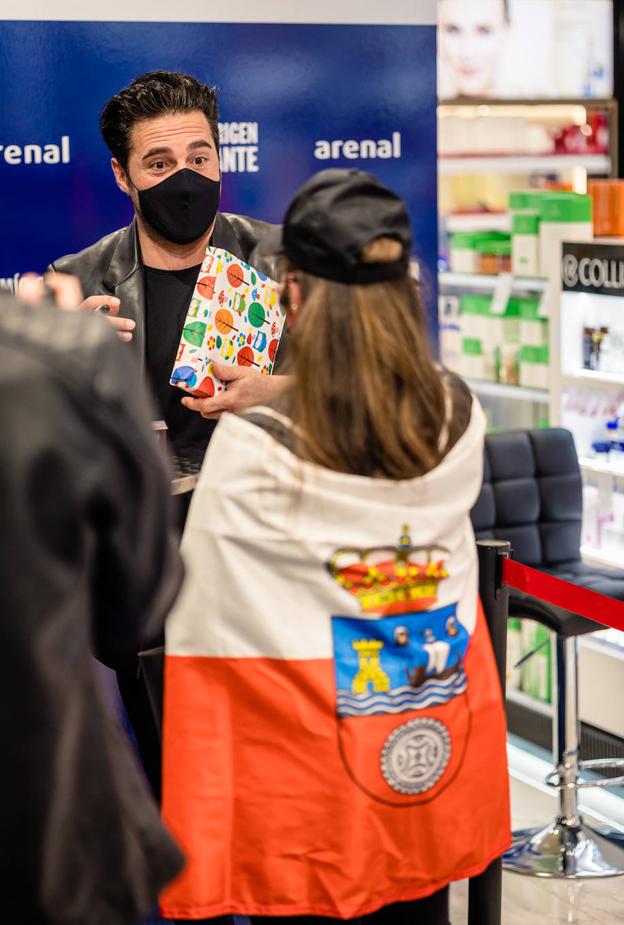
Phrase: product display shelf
(591,376)
(600,557)
(526,700)
(478,221)
(488,282)
(514,392)
(572,309)
(601,672)
(595,164)
(606,468)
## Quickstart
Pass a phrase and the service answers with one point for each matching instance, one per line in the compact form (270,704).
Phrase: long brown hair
(368,398)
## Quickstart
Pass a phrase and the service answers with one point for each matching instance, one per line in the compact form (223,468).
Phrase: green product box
(535,355)
(513,308)
(557,207)
(470,239)
(525,251)
(475,312)
(520,200)
(533,327)
(514,653)
(501,247)
(475,305)
(526,222)
(534,366)
(529,310)
(463,248)
(472,346)
(536,671)
(511,322)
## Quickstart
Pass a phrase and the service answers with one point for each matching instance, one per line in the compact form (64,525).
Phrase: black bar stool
(532,496)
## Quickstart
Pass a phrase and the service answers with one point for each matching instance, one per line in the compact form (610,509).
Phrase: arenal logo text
(15,155)
(352,150)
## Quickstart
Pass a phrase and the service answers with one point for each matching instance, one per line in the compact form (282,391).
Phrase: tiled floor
(534,901)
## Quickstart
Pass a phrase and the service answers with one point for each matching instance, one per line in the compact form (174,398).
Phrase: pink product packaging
(235,317)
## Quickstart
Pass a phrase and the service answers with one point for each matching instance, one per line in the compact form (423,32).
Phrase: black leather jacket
(88,561)
(113,266)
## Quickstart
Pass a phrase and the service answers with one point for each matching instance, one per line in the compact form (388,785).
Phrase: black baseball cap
(334,215)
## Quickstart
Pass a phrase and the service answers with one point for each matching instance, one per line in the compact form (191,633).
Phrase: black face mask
(181,208)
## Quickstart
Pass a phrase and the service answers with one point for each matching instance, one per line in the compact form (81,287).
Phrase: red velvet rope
(597,607)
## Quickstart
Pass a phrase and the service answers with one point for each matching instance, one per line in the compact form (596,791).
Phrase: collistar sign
(593,268)
(302,86)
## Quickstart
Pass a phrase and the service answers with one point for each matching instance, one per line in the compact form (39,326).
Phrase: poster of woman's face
(525,49)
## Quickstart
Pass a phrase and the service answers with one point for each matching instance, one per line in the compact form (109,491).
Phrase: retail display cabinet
(533,112)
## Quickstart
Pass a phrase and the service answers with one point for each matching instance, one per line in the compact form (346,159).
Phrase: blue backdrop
(299,83)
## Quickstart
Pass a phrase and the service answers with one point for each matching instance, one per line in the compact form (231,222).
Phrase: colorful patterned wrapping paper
(235,317)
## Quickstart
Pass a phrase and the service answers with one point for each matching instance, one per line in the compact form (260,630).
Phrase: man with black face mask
(162,131)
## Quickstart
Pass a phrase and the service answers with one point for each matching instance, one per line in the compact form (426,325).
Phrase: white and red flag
(334,735)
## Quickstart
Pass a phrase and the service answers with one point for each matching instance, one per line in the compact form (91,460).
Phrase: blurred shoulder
(79,353)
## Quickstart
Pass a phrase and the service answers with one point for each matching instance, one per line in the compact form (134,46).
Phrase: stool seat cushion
(601,580)
(532,497)
(562,622)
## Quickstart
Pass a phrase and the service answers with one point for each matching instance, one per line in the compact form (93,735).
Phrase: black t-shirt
(167,298)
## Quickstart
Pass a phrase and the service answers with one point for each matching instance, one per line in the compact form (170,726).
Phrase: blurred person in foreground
(334,735)
(88,564)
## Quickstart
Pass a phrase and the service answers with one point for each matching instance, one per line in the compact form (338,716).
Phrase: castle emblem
(369,671)
(404,654)
(412,656)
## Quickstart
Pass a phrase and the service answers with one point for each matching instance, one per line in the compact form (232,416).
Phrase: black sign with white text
(593,268)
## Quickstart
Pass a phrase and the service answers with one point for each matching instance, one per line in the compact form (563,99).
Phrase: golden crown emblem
(391,579)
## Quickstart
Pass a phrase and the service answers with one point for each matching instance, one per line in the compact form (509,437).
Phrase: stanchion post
(485,891)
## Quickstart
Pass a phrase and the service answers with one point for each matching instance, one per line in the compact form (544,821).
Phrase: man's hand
(245,387)
(68,296)
(65,289)
(123,326)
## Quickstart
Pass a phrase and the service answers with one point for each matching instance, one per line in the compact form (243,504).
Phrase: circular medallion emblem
(415,755)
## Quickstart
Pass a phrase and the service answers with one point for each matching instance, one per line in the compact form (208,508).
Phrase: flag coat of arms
(334,735)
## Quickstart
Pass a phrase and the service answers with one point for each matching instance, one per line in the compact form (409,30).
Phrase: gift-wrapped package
(234,317)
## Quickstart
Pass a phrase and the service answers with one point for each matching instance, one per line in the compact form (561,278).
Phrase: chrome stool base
(566,850)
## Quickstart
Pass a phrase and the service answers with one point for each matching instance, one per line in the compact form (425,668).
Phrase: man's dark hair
(157,93)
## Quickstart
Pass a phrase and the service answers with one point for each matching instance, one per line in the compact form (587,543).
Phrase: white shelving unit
(463,168)
(600,557)
(525,700)
(478,221)
(601,663)
(570,313)
(487,283)
(496,393)
(605,468)
(513,392)
(596,164)
(592,377)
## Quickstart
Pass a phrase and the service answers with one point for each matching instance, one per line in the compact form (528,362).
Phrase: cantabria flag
(334,736)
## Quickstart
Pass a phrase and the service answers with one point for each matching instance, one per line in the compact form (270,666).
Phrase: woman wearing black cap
(334,741)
